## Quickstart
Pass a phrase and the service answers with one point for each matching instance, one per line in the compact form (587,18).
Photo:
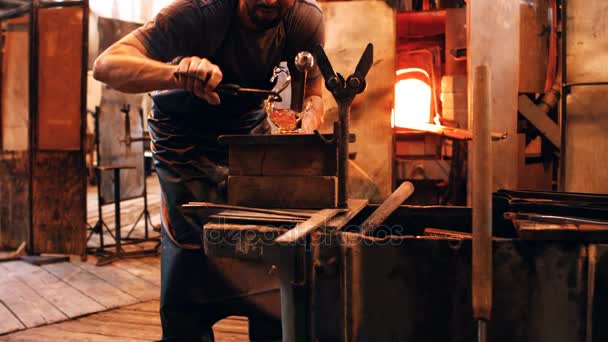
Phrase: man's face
(266,14)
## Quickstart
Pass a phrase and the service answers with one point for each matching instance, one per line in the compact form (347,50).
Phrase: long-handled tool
(234,89)
(482,202)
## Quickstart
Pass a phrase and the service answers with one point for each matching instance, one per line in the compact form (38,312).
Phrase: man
(218,41)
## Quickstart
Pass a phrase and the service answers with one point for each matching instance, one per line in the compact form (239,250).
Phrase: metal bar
(83,102)
(482,330)
(206,205)
(578,84)
(343,147)
(317,221)
(564,100)
(146,211)
(33,112)
(117,209)
(387,208)
(552,219)
(482,199)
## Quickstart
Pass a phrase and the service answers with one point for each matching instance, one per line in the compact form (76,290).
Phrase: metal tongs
(234,89)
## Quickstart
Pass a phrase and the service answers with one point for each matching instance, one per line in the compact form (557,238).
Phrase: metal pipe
(564,100)
(577,84)
(482,331)
(482,199)
(343,148)
(304,63)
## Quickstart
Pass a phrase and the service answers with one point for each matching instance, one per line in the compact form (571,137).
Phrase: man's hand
(310,122)
(200,77)
(313,115)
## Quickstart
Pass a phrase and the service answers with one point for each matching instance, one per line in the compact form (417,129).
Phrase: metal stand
(105,256)
(344,91)
(145,214)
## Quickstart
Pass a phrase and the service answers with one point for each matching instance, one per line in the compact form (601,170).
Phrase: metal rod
(207,205)
(482,331)
(343,132)
(482,195)
(33,111)
(564,101)
(83,104)
(117,209)
(577,84)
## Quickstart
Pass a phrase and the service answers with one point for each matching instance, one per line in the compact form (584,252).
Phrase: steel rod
(343,148)
(563,112)
(206,205)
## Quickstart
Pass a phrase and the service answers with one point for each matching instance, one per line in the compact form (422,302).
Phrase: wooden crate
(305,192)
(282,171)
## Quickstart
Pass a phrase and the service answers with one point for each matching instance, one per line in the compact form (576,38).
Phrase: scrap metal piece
(387,208)
(317,221)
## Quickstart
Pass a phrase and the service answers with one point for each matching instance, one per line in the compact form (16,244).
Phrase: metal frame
(107,257)
(34,9)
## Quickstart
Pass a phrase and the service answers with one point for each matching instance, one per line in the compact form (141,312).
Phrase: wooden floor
(117,302)
(138,322)
(31,296)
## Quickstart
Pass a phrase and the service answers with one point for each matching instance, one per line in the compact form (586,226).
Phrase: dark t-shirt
(212,29)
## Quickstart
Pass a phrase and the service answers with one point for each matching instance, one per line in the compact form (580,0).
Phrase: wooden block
(283,191)
(283,160)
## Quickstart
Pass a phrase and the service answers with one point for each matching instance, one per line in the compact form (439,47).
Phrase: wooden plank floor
(31,296)
(78,301)
(140,322)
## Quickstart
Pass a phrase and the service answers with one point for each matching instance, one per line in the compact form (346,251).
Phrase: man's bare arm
(314,118)
(127,66)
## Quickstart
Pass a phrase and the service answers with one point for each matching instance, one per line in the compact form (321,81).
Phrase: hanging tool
(344,91)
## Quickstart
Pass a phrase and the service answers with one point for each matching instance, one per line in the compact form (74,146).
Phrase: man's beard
(263,23)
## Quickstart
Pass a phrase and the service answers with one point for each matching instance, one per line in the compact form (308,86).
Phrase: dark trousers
(197,291)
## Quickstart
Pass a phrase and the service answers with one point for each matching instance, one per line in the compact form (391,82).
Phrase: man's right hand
(202,77)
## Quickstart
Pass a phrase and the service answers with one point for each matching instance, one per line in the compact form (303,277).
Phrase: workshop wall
(586,146)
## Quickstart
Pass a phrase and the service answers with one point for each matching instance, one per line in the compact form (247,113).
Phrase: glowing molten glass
(412,102)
